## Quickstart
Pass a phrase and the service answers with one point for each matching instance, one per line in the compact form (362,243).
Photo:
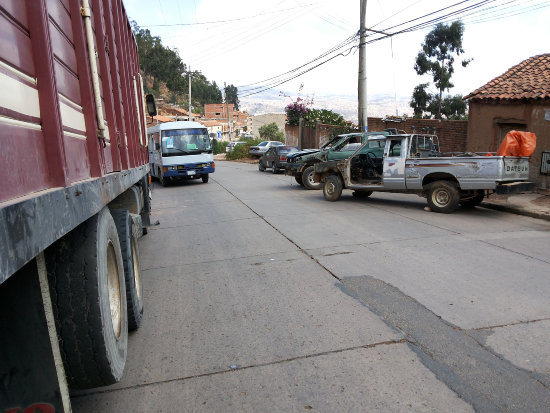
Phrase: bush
(219,147)
(238,152)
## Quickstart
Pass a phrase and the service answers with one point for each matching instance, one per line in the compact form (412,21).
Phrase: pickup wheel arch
(438,176)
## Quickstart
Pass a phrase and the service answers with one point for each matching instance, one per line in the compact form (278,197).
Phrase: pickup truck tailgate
(513,169)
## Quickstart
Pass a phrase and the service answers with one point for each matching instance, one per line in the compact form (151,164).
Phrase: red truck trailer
(74,195)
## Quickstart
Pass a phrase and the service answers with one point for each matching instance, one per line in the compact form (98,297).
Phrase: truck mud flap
(514,187)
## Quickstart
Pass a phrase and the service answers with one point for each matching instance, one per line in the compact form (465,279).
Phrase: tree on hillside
(437,57)
(165,65)
(232,95)
(156,60)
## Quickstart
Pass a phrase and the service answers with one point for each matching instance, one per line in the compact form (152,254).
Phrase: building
(179,114)
(216,129)
(239,121)
(519,99)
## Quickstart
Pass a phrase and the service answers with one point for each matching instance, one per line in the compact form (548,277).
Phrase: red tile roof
(528,80)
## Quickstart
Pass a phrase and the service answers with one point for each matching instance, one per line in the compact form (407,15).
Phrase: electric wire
(275,81)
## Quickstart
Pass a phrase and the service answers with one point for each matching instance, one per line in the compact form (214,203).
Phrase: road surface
(261,296)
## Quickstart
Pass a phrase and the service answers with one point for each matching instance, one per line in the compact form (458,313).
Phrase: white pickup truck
(414,164)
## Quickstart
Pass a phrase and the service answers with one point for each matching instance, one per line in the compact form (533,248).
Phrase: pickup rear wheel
(443,197)
(332,190)
(87,285)
(307,178)
(261,166)
(475,201)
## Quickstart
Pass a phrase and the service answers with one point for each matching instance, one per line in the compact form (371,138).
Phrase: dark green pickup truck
(301,164)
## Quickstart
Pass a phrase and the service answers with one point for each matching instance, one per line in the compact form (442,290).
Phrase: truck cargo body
(72,133)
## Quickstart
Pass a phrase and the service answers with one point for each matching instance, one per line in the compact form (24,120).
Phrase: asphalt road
(261,296)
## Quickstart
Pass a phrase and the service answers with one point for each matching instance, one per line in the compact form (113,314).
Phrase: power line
(469,10)
(227,21)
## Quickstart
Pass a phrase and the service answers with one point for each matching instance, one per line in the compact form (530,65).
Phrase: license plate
(190,172)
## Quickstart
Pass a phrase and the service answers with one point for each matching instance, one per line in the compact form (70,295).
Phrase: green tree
(325,116)
(165,65)
(437,57)
(420,100)
(454,107)
(232,95)
(271,132)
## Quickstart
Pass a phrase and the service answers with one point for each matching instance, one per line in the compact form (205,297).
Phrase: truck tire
(86,277)
(443,196)
(261,166)
(332,190)
(307,178)
(162,181)
(130,258)
(274,169)
(205,178)
(475,201)
(298,178)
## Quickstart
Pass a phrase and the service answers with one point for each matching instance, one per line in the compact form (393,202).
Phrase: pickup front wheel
(332,190)
(443,197)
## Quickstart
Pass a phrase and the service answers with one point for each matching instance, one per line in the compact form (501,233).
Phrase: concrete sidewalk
(534,204)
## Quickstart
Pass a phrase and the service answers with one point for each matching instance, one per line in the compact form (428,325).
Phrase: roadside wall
(260,120)
(490,121)
(452,133)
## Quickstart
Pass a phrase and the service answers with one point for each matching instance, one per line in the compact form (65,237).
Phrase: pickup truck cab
(301,164)
(414,164)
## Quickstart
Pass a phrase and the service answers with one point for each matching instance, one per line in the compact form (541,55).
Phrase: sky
(242,42)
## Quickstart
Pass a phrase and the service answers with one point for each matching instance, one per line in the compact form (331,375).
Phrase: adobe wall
(487,119)
(452,133)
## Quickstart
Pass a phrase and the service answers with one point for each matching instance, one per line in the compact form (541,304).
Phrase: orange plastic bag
(518,143)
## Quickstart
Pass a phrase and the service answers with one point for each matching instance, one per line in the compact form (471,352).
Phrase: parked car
(231,145)
(262,147)
(275,158)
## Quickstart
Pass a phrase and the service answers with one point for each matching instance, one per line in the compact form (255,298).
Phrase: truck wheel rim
(115,301)
(330,188)
(310,179)
(136,271)
(441,198)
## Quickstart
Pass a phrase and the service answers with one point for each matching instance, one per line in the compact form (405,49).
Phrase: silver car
(262,147)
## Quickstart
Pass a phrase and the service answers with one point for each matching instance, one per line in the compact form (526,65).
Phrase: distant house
(240,121)
(519,99)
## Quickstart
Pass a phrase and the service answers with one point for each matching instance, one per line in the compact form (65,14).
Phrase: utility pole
(190,106)
(227,110)
(362,75)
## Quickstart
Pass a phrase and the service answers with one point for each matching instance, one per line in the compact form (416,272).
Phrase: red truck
(74,198)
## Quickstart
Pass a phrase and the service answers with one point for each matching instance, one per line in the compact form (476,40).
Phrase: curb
(517,211)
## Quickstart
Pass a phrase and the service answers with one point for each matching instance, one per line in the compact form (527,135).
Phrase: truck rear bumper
(514,187)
